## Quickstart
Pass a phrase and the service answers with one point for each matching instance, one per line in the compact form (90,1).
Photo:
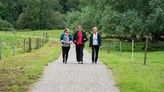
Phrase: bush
(5,25)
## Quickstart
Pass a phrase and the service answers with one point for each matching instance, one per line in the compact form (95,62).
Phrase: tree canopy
(143,18)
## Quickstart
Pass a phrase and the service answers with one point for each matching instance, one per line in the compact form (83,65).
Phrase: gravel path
(73,77)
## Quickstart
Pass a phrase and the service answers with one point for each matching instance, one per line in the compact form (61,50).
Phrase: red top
(79,41)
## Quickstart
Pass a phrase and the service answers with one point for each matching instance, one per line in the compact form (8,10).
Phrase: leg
(67,51)
(93,49)
(63,54)
(77,53)
(97,53)
(81,53)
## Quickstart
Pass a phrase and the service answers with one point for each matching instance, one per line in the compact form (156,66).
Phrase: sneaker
(81,62)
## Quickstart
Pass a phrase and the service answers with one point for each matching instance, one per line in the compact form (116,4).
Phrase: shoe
(81,62)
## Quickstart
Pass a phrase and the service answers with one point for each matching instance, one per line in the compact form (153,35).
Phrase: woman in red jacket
(79,39)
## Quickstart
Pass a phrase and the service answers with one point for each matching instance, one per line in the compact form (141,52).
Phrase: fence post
(43,39)
(37,43)
(30,48)
(146,45)
(24,46)
(13,47)
(0,48)
(108,47)
(114,46)
(132,50)
(120,48)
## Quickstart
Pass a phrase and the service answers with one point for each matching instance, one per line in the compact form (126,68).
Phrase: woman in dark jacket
(95,43)
(66,40)
(79,39)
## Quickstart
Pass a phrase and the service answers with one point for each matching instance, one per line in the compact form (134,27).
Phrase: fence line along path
(73,77)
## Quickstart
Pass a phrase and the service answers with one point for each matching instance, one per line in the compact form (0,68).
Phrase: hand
(85,39)
(100,47)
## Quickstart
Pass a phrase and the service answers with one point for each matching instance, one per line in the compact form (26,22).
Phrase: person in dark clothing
(95,43)
(66,40)
(79,39)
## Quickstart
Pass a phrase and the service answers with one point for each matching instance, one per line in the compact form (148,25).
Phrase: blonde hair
(95,28)
(66,29)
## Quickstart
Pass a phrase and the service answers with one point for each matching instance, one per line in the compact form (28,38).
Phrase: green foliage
(5,26)
(134,17)
(32,14)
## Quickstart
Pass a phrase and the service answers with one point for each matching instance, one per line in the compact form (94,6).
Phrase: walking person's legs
(78,53)
(97,53)
(63,53)
(81,53)
(67,51)
(93,51)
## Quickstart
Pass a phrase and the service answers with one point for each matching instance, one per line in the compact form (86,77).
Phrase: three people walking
(79,39)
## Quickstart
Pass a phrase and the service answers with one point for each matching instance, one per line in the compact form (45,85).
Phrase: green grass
(15,44)
(8,38)
(19,72)
(51,33)
(135,77)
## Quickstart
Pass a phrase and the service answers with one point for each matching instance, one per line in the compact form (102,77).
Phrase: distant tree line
(131,18)
(128,18)
(34,14)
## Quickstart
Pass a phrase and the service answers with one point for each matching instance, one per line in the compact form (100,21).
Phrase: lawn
(19,72)
(51,33)
(134,76)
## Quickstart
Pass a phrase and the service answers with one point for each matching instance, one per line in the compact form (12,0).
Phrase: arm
(90,41)
(85,37)
(100,38)
(70,37)
(74,38)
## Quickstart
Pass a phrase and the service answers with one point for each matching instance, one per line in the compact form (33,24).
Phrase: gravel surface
(73,77)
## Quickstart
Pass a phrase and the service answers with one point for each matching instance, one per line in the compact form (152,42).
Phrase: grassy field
(51,33)
(135,77)
(13,44)
(18,72)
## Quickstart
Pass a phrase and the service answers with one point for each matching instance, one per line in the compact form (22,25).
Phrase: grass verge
(135,77)
(18,72)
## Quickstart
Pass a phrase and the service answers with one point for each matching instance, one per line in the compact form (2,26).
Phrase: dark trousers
(65,51)
(79,52)
(95,52)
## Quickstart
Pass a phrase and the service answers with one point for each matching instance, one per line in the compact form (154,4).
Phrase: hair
(95,28)
(66,29)
(80,27)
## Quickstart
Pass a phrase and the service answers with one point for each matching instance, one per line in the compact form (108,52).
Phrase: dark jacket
(99,40)
(66,44)
(84,36)
(62,36)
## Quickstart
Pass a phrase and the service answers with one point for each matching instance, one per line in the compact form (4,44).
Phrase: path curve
(73,77)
